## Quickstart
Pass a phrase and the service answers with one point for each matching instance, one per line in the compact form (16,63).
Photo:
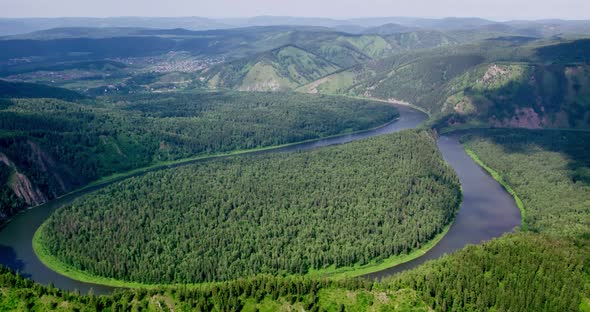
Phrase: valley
(461,233)
(70,144)
(379,164)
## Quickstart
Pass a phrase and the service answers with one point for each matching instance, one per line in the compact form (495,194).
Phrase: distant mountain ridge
(14,26)
(310,57)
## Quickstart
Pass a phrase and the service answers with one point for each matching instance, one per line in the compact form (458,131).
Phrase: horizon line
(344,18)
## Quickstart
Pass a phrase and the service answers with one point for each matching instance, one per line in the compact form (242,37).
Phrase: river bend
(487,210)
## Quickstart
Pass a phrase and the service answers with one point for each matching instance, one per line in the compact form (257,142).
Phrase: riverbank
(496,176)
(334,273)
(104,181)
(406,119)
(58,266)
(474,222)
(356,271)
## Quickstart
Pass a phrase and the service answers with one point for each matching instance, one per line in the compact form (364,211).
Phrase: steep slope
(417,82)
(30,175)
(342,49)
(507,82)
(49,147)
(315,55)
(520,95)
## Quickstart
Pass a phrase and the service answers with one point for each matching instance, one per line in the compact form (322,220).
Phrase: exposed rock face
(522,118)
(35,176)
(22,186)
(48,166)
(493,72)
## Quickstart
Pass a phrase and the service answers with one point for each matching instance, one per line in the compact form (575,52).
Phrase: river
(487,210)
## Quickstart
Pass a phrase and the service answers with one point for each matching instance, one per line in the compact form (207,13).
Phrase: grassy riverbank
(175,163)
(502,182)
(356,271)
(332,273)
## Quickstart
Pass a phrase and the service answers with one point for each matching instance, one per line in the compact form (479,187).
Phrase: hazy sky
(494,9)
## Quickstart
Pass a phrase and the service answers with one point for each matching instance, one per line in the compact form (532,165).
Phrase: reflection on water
(487,210)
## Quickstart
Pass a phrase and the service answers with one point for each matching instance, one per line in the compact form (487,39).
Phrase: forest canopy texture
(283,213)
(549,171)
(57,146)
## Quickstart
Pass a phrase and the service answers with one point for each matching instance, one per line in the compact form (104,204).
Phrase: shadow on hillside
(574,145)
(569,52)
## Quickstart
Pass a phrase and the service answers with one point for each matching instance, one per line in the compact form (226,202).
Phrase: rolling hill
(32,90)
(507,82)
(258,222)
(280,69)
(315,56)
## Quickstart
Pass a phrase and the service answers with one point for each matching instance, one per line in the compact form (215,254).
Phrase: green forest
(285,213)
(543,269)
(518,272)
(549,170)
(134,118)
(500,82)
(60,146)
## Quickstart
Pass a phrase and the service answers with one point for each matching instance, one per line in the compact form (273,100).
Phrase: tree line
(518,272)
(285,213)
(94,138)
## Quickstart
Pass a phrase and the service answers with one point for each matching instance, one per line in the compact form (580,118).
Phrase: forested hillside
(281,69)
(549,278)
(537,84)
(550,172)
(52,47)
(49,147)
(518,272)
(312,56)
(283,231)
(282,214)
(31,90)
(528,271)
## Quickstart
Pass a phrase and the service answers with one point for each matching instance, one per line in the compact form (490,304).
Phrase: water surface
(487,210)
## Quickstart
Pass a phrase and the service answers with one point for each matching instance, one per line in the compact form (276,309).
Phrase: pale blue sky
(494,9)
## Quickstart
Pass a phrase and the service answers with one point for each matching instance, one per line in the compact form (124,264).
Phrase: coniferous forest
(287,213)
(155,144)
(519,272)
(60,146)
(549,171)
(541,269)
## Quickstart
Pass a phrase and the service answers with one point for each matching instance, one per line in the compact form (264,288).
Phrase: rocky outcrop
(24,189)
(22,186)
(34,176)
(493,73)
(523,118)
